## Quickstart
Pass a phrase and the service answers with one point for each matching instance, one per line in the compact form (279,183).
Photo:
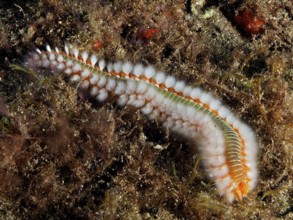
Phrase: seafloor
(63,156)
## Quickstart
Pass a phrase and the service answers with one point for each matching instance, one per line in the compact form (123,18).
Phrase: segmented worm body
(228,146)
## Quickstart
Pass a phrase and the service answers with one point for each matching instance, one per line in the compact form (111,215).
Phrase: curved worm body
(228,146)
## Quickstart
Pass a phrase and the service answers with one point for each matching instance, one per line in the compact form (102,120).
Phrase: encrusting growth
(227,145)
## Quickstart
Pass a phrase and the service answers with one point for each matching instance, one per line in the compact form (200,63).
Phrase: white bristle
(56,49)
(190,112)
(179,86)
(75,78)
(131,99)
(102,64)
(196,93)
(131,86)
(94,78)
(138,70)
(160,77)
(75,52)
(84,84)
(151,93)
(169,123)
(141,97)
(44,57)
(68,71)
(120,88)
(38,51)
(142,87)
(66,49)
(103,94)
(206,98)
(53,64)
(149,72)
(230,119)
(127,67)
(60,66)
(187,90)
(139,103)
(46,63)
(181,109)
(147,109)
(93,59)
(170,81)
(35,57)
(102,81)
(117,66)
(76,68)
(48,48)
(110,67)
(122,100)
(155,114)
(84,55)
(51,56)
(111,84)
(60,58)
(85,73)
(69,63)
(94,91)
(224,112)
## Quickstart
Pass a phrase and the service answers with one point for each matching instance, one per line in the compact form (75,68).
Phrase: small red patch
(248,22)
(97,44)
(149,33)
